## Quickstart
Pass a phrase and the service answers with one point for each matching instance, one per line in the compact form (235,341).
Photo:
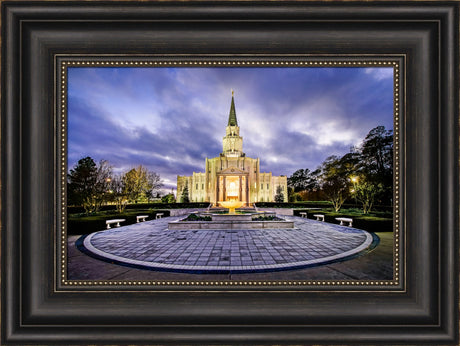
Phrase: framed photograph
(279,225)
(230,173)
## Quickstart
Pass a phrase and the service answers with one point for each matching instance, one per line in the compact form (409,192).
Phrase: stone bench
(345,219)
(159,215)
(117,221)
(141,218)
(303,214)
(319,217)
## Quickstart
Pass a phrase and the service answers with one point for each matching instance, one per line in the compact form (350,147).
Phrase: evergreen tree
(169,198)
(279,196)
(304,179)
(184,196)
(376,162)
(88,184)
(372,161)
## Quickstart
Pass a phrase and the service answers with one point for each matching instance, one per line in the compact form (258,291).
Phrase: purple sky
(171,119)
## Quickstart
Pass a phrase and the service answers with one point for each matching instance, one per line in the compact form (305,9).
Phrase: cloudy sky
(171,119)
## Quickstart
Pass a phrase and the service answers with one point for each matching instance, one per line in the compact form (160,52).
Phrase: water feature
(230,220)
(231,204)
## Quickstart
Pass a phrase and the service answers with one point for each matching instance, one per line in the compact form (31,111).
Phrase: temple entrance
(232,189)
(232,184)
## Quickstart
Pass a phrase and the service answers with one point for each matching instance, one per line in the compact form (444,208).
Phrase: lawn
(85,224)
(80,223)
(376,221)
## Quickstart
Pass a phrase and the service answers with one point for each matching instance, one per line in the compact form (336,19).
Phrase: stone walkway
(150,245)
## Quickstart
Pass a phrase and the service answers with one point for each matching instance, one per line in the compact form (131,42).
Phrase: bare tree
(118,193)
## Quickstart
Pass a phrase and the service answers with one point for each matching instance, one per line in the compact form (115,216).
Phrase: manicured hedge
(79,223)
(79,210)
(83,224)
(318,204)
(312,204)
(384,208)
(370,223)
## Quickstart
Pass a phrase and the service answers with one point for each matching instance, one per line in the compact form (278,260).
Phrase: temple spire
(232,116)
(232,142)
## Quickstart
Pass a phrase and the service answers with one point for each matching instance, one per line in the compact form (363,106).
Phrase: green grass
(299,204)
(144,206)
(319,204)
(85,224)
(376,221)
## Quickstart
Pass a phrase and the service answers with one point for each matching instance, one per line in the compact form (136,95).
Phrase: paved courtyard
(311,245)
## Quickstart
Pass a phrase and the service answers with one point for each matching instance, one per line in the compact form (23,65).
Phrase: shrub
(309,204)
(267,218)
(76,210)
(85,224)
(194,217)
(374,222)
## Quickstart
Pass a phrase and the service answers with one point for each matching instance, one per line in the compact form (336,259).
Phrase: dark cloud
(171,119)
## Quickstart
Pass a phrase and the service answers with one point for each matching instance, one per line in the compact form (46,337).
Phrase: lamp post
(110,191)
(354,180)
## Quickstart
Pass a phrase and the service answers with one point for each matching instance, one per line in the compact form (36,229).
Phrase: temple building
(232,174)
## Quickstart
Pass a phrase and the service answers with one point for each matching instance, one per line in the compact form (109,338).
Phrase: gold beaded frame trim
(62,63)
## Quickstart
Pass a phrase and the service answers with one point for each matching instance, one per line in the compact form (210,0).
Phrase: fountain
(231,204)
(232,201)
(230,220)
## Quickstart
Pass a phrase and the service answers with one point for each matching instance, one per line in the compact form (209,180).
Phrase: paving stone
(151,242)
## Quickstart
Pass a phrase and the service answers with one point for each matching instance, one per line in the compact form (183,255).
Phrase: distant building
(232,174)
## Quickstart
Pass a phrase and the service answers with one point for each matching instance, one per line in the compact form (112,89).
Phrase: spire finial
(232,116)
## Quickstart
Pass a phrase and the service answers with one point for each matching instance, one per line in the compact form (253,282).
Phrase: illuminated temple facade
(232,175)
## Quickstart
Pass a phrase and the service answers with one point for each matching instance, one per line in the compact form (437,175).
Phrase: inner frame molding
(396,62)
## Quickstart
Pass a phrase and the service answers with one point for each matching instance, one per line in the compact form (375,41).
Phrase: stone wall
(279,211)
(177,212)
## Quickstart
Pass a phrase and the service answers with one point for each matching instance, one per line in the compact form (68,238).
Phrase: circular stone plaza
(152,250)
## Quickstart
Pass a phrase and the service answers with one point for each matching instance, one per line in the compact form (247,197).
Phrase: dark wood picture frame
(36,310)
